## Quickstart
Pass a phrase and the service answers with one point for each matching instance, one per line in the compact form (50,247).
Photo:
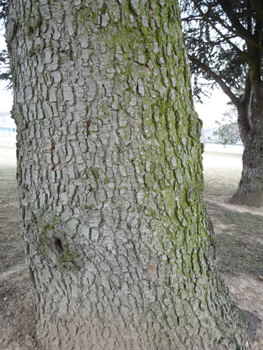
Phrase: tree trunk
(243,122)
(250,189)
(243,110)
(119,246)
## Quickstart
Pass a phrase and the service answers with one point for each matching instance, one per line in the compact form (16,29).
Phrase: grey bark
(243,123)
(243,110)
(119,246)
(250,189)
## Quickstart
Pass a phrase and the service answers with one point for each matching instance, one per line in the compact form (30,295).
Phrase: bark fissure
(250,190)
(109,162)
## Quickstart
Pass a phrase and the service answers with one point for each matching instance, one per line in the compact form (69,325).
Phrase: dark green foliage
(5,73)
(3,9)
(224,36)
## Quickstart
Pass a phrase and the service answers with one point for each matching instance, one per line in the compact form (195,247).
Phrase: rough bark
(250,189)
(243,123)
(243,111)
(119,246)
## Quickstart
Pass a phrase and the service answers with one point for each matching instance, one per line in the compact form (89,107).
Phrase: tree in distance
(227,132)
(224,42)
(119,247)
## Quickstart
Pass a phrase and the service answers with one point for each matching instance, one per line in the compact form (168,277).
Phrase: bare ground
(239,253)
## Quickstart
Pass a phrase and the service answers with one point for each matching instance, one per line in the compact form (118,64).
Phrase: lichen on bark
(109,165)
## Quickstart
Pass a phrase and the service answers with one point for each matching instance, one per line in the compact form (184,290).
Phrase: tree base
(249,198)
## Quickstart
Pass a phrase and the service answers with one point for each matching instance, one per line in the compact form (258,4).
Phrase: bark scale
(243,110)
(243,123)
(250,189)
(119,246)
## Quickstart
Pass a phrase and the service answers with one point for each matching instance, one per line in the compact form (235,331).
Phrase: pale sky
(213,108)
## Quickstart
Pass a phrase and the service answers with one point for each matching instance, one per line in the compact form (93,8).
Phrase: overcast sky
(212,109)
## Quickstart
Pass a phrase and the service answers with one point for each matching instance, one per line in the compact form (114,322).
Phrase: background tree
(227,132)
(119,247)
(224,41)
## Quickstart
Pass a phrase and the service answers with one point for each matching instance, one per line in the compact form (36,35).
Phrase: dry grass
(239,236)
(222,172)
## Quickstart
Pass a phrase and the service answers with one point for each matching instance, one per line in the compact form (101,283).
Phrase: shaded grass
(239,236)
(239,240)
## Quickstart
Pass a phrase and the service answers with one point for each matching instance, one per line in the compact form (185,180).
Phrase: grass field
(239,235)
(222,173)
(11,248)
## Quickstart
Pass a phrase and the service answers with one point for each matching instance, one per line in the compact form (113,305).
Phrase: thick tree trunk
(243,122)
(250,189)
(243,110)
(119,246)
